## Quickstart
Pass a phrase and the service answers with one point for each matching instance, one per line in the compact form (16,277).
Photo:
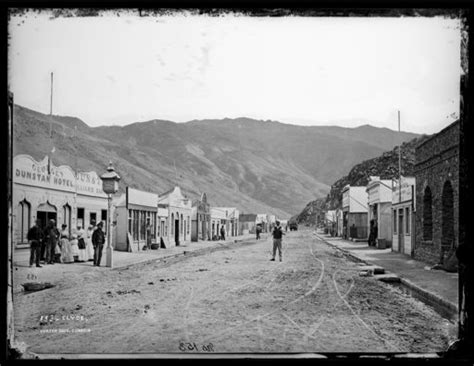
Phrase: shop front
(201,219)
(355,211)
(179,210)
(136,217)
(218,220)
(42,191)
(380,211)
(403,215)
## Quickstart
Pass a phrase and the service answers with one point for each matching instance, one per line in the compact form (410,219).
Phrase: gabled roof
(167,192)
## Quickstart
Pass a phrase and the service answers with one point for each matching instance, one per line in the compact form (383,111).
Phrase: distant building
(218,220)
(178,208)
(403,218)
(247,224)
(232,221)
(339,222)
(163,220)
(330,222)
(262,220)
(132,212)
(437,195)
(379,200)
(227,217)
(355,212)
(201,219)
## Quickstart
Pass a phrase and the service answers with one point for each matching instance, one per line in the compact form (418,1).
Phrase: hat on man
(100,224)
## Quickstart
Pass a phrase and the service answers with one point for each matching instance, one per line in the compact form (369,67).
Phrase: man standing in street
(277,235)
(35,237)
(51,236)
(258,230)
(98,240)
(222,232)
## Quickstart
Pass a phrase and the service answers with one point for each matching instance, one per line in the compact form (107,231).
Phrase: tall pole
(51,103)
(399,162)
(10,320)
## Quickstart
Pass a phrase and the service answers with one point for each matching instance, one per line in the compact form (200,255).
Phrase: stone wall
(437,161)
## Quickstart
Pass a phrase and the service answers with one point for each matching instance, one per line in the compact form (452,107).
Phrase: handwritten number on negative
(188,346)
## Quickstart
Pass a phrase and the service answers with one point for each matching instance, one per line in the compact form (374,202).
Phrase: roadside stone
(374,269)
(36,286)
(388,277)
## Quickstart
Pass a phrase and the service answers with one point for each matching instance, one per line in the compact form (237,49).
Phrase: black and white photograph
(195,183)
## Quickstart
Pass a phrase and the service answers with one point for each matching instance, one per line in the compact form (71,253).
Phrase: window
(142,225)
(172,223)
(189,226)
(427,215)
(24,209)
(93,217)
(182,225)
(67,218)
(130,221)
(135,225)
(80,215)
(407,220)
(447,216)
(103,215)
(394,221)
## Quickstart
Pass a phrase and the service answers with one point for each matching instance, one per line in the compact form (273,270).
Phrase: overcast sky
(301,70)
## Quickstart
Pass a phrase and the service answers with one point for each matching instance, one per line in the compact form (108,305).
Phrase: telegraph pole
(399,162)
(51,102)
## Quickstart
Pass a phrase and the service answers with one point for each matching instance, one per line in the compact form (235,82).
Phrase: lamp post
(109,186)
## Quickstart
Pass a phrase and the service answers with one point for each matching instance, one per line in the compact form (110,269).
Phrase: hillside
(258,166)
(385,166)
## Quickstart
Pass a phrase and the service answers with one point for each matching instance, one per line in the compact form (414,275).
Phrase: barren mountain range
(257,166)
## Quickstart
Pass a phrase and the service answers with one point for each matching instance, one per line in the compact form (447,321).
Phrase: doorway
(401,234)
(176,232)
(46,212)
(204,231)
(45,216)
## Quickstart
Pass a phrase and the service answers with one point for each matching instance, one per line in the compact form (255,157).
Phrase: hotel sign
(44,174)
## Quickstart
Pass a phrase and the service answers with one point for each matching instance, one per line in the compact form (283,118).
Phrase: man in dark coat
(277,236)
(51,235)
(35,237)
(98,240)
(258,230)
(222,232)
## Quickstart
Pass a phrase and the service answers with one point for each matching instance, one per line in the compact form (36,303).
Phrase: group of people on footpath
(52,245)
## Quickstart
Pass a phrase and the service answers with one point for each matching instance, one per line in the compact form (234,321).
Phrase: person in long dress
(89,246)
(66,254)
(81,243)
(74,247)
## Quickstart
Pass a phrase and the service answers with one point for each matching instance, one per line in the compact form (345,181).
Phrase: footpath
(23,273)
(435,287)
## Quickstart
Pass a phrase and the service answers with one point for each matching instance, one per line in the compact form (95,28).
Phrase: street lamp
(109,186)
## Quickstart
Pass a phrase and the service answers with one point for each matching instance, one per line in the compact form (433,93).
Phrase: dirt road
(232,300)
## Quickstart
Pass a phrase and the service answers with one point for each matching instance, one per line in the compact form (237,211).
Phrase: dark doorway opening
(176,232)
